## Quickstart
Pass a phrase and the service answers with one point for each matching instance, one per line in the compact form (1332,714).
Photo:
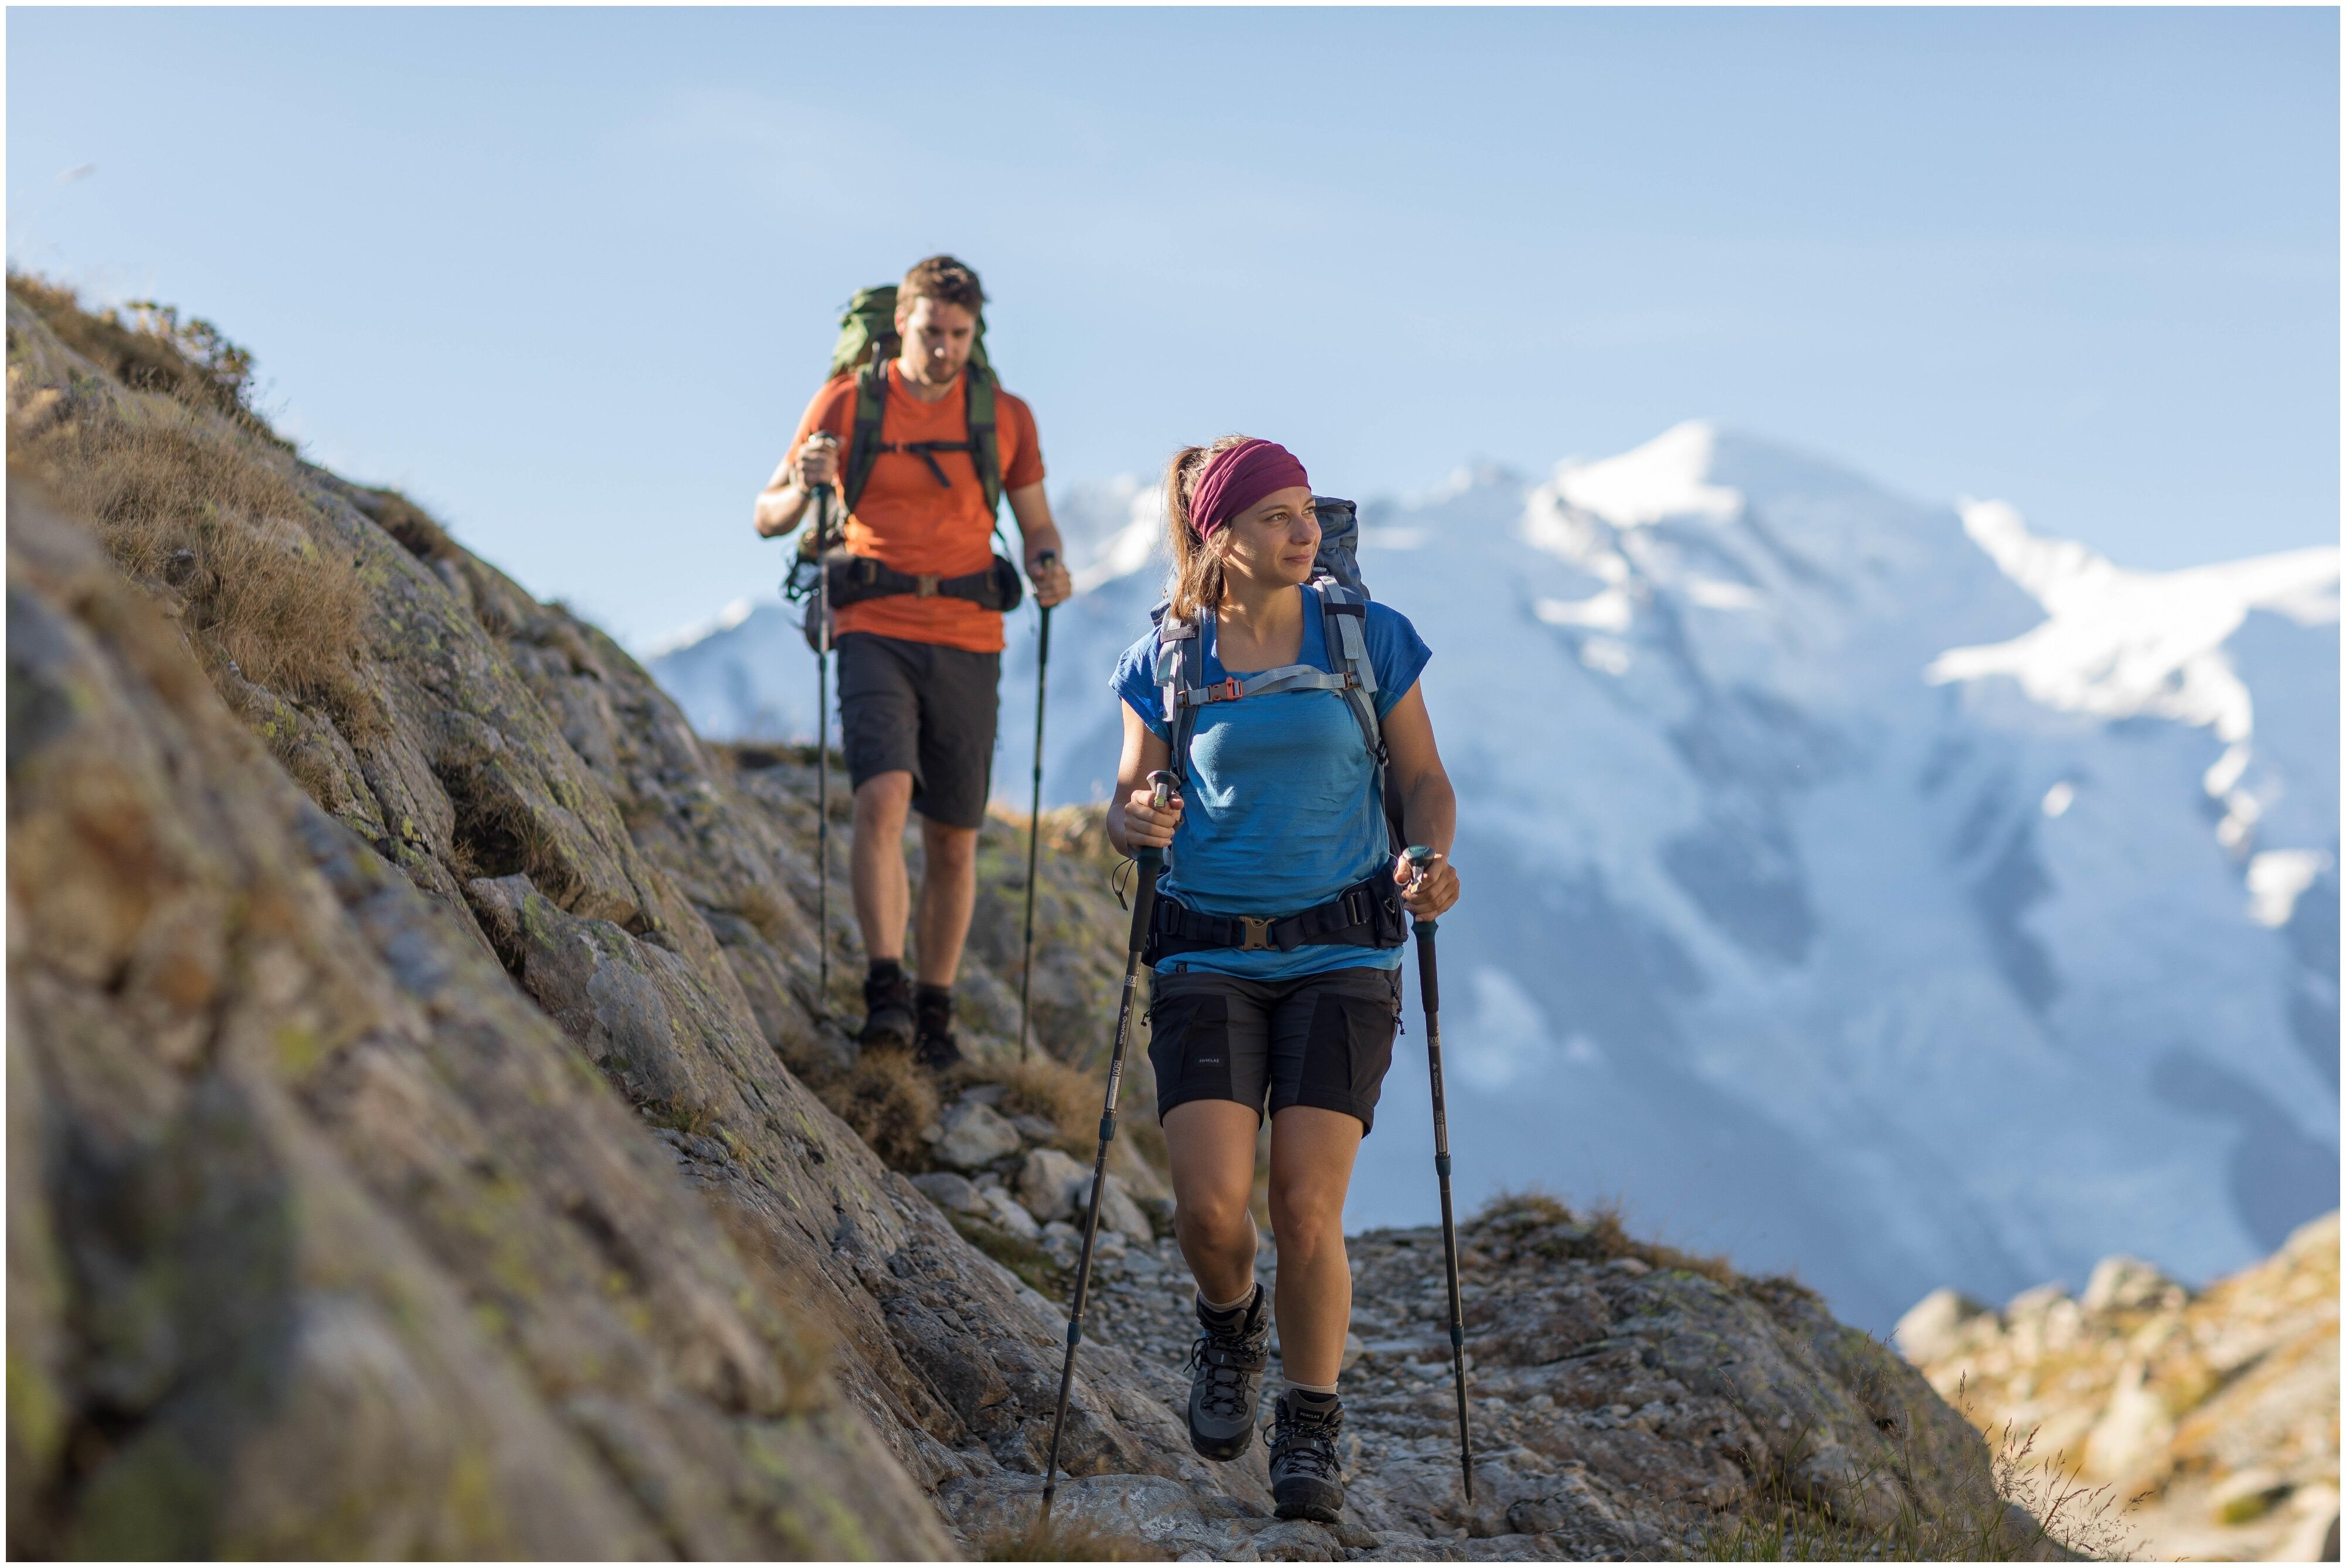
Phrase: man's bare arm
(1041,536)
(782,504)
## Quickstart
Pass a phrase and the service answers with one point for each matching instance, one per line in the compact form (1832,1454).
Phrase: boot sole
(884,1029)
(1311,1503)
(1222,1452)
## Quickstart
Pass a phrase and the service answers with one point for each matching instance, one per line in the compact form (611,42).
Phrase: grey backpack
(1344,620)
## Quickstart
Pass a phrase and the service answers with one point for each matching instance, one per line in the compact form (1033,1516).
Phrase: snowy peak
(1667,477)
(1112,529)
(2116,644)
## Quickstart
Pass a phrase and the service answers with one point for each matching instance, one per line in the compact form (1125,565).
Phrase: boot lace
(1226,1360)
(1304,1444)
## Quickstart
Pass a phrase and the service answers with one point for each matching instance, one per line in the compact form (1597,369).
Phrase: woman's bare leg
(1211,1147)
(1312,1155)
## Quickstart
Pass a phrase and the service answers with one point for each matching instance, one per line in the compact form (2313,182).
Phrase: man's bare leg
(876,865)
(948,896)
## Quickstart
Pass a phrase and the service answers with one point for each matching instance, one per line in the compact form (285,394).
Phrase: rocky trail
(427,1137)
(1621,1411)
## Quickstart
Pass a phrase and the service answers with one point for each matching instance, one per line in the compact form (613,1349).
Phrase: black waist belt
(857,578)
(1366,914)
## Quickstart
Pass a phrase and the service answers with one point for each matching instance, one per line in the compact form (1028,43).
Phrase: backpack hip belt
(1366,914)
(855,578)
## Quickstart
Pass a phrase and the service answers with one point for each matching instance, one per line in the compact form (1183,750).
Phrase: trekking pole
(1144,905)
(1417,855)
(1035,814)
(822,750)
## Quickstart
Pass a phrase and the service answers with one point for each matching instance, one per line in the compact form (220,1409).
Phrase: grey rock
(2123,1284)
(1034,1129)
(1937,1326)
(996,1205)
(1045,1182)
(954,1194)
(974,1135)
(1118,1211)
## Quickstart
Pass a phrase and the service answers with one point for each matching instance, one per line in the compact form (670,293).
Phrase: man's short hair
(944,279)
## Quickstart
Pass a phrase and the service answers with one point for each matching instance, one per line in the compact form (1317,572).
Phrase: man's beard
(934,372)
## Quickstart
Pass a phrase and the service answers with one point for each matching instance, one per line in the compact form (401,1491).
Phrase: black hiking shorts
(924,709)
(1322,1040)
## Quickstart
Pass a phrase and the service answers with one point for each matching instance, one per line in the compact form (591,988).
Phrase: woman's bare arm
(1132,821)
(1429,807)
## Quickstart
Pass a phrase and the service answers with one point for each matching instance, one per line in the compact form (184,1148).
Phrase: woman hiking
(1276,947)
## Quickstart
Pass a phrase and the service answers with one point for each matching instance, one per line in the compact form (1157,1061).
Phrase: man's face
(937,336)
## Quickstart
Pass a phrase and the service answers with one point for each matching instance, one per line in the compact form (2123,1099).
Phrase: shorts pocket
(1348,1050)
(1189,1046)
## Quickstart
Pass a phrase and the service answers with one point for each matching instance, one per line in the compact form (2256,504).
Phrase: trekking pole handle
(1164,785)
(1418,857)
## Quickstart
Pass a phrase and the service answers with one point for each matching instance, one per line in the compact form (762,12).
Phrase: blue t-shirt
(1281,810)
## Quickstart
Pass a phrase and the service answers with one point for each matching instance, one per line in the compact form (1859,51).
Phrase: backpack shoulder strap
(985,443)
(863,444)
(1343,622)
(1180,668)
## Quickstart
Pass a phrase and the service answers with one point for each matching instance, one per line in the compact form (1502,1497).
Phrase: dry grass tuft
(409,524)
(1061,1541)
(1045,1086)
(1596,1233)
(211,521)
(888,1100)
(2088,1521)
(219,532)
(189,360)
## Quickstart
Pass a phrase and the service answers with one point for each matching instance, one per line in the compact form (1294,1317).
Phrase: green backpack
(867,342)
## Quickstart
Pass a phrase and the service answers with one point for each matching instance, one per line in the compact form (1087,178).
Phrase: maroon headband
(1238,477)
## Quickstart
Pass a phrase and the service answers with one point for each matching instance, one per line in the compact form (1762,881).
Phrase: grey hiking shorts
(1322,1040)
(924,709)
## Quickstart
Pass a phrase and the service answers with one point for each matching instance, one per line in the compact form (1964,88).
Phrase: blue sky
(569,276)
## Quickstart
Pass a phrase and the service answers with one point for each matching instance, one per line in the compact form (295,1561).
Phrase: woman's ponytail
(1197,563)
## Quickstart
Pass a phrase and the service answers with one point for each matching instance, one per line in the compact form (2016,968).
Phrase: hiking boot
(934,1045)
(887,1006)
(1226,1382)
(1306,1476)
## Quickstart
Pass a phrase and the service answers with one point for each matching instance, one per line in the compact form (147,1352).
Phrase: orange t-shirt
(912,524)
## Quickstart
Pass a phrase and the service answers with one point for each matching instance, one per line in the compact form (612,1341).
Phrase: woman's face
(1275,540)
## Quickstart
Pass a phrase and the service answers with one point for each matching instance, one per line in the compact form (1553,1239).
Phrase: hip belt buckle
(1258,934)
(927,588)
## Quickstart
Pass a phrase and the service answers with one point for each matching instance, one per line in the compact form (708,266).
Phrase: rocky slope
(416,1147)
(2219,1409)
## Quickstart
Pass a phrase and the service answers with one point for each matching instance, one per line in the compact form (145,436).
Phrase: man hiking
(918,631)
(1291,711)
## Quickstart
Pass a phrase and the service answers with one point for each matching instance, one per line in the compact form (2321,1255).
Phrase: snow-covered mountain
(1870,888)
